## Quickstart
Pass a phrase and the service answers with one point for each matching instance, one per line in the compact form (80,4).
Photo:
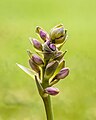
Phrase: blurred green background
(19,99)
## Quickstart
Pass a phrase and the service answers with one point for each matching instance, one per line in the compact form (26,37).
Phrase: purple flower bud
(43,34)
(48,52)
(34,66)
(36,59)
(62,38)
(36,44)
(47,42)
(52,47)
(62,74)
(52,91)
(46,47)
(58,34)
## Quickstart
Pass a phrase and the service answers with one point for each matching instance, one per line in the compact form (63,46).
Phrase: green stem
(46,100)
(43,71)
(48,109)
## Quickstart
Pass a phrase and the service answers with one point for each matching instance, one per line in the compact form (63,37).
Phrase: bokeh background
(19,99)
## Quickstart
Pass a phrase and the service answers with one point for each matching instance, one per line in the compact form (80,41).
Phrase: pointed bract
(50,68)
(39,86)
(29,53)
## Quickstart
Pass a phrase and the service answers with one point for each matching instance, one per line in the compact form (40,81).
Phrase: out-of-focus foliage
(18,95)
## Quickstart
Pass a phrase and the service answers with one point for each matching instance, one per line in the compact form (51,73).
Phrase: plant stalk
(46,100)
(48,109)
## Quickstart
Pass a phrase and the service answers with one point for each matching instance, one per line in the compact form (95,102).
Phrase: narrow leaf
(26,70)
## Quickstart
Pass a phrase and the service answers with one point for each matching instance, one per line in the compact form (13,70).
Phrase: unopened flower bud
(46,47)
(52,91)
(43,34)
(36,44)
(36,59)
(61,39)
(34,66)
(57,31)
(52,47)
(50,68)
(58,34)
(62,74)
(49,50)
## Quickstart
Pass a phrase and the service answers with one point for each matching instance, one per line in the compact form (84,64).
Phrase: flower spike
(48,63)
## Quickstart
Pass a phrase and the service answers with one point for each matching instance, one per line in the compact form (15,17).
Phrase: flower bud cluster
(49,64)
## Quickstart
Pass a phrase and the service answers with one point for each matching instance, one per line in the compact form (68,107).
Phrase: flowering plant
(48,65)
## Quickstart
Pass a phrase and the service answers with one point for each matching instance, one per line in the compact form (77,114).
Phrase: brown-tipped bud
(43,34)
(36,44)
(36,59)
(52,91)
(58,34)
(34,66)
(62,74)
(50,68)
